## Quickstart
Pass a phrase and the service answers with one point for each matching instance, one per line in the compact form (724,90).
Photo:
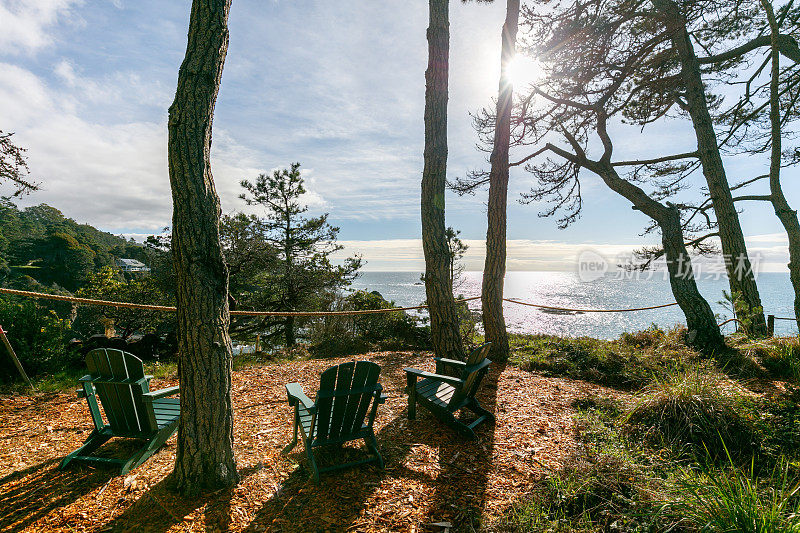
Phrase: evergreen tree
(300,247)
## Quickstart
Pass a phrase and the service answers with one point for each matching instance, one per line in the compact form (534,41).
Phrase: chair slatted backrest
(114,375)
(345,394)
(470,376)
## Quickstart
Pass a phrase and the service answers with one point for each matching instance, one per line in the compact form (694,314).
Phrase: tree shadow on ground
(464,466)
(299,504)
(160,507)
(31,494)
(338,501)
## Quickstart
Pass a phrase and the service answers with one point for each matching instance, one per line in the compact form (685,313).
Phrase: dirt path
(432,474)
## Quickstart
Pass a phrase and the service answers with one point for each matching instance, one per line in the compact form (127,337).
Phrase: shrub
(624,363)
(39,337)
(349,334)
(690,411)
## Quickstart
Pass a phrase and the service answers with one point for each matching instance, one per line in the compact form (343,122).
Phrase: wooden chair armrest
(87,377)
(295,393)
(478,366)
(429,375)
(380,397)
(450,362)
(169,391)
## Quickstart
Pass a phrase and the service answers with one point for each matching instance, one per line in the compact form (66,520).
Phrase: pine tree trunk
(703,331)
(786,215)
(494,270)
(739,269)
(441,306)
(288,332)
(204,458)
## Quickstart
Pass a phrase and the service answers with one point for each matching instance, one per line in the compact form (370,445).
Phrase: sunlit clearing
(523,71)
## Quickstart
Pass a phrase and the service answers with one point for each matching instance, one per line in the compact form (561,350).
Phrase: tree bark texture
(785,213)
(739,269)
(441,305)
(703,331)
(494,269)
(204,458)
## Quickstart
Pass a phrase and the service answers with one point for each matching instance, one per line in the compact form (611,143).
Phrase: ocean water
(565,289)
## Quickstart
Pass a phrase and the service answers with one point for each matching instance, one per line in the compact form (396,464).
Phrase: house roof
(131,263)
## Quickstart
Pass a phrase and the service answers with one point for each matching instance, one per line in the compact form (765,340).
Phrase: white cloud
(112,174)
(25,24)
(528,255)
(522,254)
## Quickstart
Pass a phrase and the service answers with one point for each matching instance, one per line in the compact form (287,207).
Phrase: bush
(39,337)
(631,362)
(690,411)
(350,334)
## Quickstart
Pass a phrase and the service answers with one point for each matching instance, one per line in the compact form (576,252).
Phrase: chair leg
(92,443)
(372,445)
(292,444)
(412,404)
(476,408)
(149,448)
(312,462)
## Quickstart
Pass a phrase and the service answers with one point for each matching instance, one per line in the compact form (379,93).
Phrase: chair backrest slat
(471,378)
(345,394)
(327,382)
(358,404)
(344,383)
(115,373)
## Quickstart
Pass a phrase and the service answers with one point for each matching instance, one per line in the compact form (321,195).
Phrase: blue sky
(337,86)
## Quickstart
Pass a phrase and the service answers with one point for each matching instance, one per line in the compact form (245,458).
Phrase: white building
(132,265)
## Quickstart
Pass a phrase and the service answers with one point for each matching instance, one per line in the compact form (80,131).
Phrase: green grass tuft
(736,500)
(693,412)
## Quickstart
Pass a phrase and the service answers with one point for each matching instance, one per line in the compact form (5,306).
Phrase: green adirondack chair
(118,379)
(344,410)
(444,395)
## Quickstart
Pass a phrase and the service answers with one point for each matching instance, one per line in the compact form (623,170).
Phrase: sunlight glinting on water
(565,289)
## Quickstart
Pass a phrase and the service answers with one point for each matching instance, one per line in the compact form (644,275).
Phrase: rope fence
(149,307)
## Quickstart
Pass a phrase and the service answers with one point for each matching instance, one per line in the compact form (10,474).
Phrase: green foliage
(735,500)
(696,412)
(338,335)
(745,316)
(39,337)
(109,284)
(631,362)
(54,251)
(782,359)
(297,248)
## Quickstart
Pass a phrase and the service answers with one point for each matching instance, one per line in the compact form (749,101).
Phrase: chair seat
(167,410)
(435,392)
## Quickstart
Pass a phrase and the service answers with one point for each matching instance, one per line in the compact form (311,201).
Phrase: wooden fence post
(14,358)
(771,325)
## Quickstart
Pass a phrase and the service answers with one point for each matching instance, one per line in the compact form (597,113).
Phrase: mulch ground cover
(432,475)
